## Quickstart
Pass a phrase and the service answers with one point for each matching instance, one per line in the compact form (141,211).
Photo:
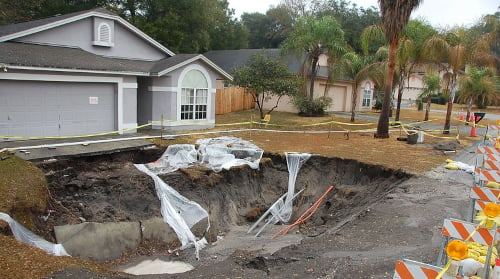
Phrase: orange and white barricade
(486,153)
(487,150)
(492,156)
(408,269)
(481,176)
(491,164)
(494,139)
(459,229)
(480,196)
(466,231)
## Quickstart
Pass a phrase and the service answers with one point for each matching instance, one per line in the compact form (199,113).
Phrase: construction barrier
(487,175)
(408,269)
(462,230)
(491,164)
(487,150)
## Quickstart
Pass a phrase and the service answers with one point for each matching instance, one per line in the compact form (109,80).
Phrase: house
(340,90)
(92,72)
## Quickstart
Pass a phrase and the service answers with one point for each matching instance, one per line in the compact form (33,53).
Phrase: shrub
(317,107)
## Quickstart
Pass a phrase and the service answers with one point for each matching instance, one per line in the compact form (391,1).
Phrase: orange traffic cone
(461,117)
(473,128)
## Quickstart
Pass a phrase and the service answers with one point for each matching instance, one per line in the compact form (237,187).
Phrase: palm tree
(359,68)
(478,85)
(395,16)
(314,37)
(454,50)
(409,52)
(409,55)
(432,85)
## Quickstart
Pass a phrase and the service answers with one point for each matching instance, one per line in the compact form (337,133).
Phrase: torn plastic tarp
(26,236)
(226,152)
(216,153)
(175,157)
(281,210)
(179,212)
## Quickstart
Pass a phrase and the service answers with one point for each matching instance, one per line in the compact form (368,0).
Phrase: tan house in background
(340,91)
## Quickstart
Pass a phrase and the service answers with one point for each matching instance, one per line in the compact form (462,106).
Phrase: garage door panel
(30,108)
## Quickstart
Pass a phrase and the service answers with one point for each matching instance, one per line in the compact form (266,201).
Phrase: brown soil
(363,226)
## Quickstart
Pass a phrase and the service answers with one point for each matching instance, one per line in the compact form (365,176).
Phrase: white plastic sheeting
(175,157)
(226,152)
(24,235)
(294,161)
(179,212)
(281,210)
(217,153)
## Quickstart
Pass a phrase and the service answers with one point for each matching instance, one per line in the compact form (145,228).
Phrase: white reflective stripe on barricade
(493,127)
(484,193)
(488,175)
(492,156)
(461,230)
(491,164)
(407,269)
(487,150)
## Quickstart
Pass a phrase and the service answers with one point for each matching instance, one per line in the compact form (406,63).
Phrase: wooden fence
(232,99)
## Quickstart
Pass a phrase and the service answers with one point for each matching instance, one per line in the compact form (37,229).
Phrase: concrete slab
(75,149)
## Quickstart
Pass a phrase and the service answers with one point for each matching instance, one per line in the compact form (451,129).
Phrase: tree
(478,86)
(452,51)
(352,19)
(432,85)
(264,78)
(395,16)
(359,68)
(314,37)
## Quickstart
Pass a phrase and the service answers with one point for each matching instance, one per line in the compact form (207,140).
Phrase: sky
(440,13)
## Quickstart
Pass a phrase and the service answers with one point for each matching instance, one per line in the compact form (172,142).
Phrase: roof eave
(83,16)
(6,67)
(192,59)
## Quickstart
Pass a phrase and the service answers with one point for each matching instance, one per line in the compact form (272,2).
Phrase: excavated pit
(109,189)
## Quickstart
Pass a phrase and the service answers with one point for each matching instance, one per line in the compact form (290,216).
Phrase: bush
(317,107)
(378,104)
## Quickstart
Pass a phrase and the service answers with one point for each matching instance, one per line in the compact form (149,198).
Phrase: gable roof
(53,58)
(14,31)
(22,55)
(231,60)
(169,64)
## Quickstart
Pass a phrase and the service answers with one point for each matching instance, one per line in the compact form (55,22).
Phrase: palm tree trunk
(311,87)
(446,129)
(400,95)
(427,108)
(354,101)
(383,121)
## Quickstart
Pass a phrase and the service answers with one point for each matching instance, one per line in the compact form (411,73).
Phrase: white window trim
(363,95)
(210,96)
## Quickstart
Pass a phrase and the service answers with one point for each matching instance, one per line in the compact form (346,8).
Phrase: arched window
(367,95)
(104,33)
(194,96)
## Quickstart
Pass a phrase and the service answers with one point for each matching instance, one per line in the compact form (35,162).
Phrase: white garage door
(33,108)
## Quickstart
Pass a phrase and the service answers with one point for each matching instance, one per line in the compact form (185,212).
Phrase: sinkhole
(102,207)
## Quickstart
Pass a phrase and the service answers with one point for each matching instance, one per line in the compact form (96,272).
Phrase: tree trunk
(383,121)
(311,87)
(446,129)
(354,101)
(427,108)
(400,96)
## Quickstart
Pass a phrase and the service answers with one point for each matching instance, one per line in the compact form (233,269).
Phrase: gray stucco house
(92,72)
